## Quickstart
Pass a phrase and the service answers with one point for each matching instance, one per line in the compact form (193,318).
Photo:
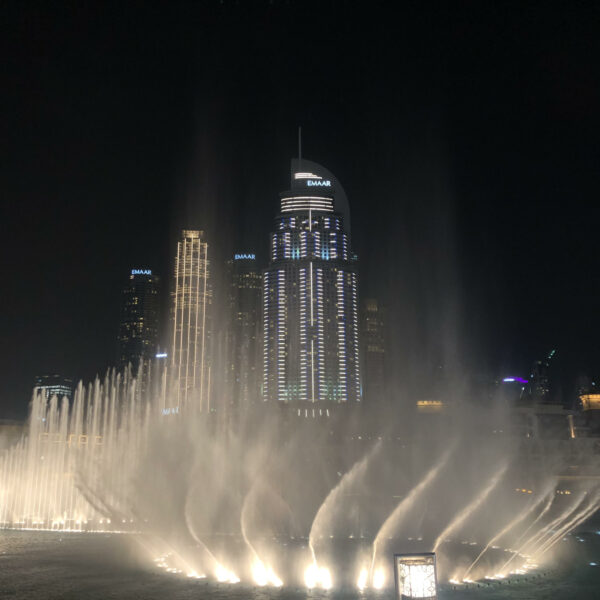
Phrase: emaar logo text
(141,272)
(318,182)
(245,257)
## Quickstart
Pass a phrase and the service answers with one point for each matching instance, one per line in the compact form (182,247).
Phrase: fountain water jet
(356,472)
(522,515)
(263,574)
(405,504)
(114,460)
(222,573)
(527,530)
(471,507)
(537,539)
(570,525)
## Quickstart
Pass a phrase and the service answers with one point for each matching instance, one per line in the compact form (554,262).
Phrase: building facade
(243,362)
(310,295)
(138,329)
(54,385)
(373,350)
(191,300)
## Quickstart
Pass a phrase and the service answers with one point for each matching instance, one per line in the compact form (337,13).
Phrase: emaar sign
(141,272)
(245,257)
(318,183)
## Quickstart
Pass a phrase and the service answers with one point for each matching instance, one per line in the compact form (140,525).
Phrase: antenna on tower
(299,146)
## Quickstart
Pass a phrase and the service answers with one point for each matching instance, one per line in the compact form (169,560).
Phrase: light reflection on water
(97,566)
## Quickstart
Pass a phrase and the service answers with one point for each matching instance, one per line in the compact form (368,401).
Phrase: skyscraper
(54,385)
(539,380)
(244,372)
(310,295)
(373,350)
(191,300)
(138,329)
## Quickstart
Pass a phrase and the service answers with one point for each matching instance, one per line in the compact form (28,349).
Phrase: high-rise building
(539,380)
(244,357)
(138,330)
(373,350)
(54,385)
(191,300)
(310,295)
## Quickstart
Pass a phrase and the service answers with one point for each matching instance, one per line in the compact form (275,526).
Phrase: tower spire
(299,146)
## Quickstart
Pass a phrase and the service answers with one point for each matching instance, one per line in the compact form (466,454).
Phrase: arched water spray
(357,471)
(527,530)
(462,516)
(578,518)
(221,572)
(404,505)
(262,573)
(537,539)
(522,515)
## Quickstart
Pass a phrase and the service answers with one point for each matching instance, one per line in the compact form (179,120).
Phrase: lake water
(101,566)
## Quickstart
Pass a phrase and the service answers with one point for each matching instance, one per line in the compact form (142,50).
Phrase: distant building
(513,389)
(191,300)
(310,297)
(54,385)
(539,380)
(244,356)
(138,329)
(373,350)
(430,406)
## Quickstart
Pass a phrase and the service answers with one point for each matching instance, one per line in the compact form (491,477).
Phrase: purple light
(517,379)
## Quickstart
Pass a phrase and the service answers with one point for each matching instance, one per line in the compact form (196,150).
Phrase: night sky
(466,137)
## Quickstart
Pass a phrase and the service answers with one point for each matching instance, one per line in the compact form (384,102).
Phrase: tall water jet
(404,505)
(516,553)
(471,507)
(535,540)
(356,472)
(262,573)
(578,518)
(522,515)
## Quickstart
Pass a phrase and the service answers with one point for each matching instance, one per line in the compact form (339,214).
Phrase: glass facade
(310,296)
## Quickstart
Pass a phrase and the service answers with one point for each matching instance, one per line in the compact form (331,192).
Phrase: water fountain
(251,504)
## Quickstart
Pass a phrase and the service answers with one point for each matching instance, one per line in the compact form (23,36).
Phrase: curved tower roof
(308,173)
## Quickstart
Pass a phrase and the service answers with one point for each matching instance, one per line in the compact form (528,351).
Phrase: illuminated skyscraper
(310,295)
(191,299)
(244,372)
(138,329)
(373,350)
(54,385)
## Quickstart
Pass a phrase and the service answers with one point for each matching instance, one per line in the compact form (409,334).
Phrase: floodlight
(415,576)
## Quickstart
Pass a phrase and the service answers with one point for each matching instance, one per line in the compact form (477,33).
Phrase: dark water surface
(99,566)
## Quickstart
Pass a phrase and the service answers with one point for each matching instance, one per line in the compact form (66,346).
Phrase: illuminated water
(100,566)
(225,505)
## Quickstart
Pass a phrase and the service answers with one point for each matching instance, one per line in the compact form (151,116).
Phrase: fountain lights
(415,576)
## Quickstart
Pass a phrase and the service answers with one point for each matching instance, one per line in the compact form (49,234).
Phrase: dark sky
(466,137)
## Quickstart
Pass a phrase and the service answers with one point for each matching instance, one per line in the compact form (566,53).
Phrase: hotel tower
(191,299)
(310,296)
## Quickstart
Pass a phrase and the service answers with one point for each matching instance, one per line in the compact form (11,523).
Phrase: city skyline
(466,151)
(300,298)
